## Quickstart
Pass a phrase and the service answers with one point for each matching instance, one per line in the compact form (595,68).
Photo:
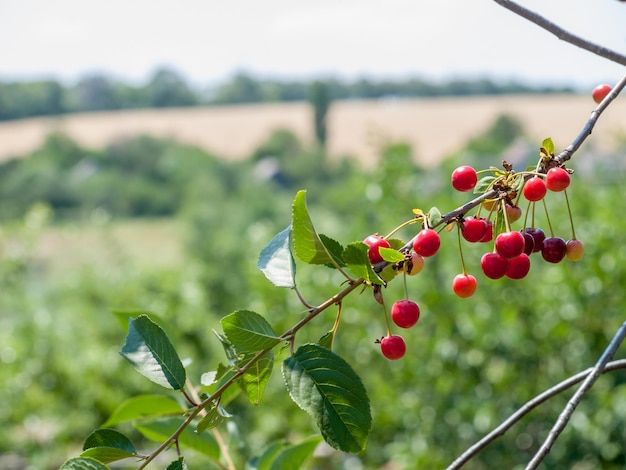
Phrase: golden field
(435,127)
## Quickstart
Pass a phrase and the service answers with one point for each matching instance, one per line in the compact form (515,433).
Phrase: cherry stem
(333,330)
(505,215)
(302,299)
(461,250)
(545,206)
(189,399)
(406,288)
(495,225)
(526,215)
(569,211)
(386,316)
(337,318)
(402,225)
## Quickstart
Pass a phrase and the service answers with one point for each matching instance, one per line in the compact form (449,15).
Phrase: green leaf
(390,255)
(107,454)
(499,225)
(162,429)
(293,457)
(284,456)
(327,388)
(396,243)
(209,378)
(306,241)
(124,315)
(229,349)
(177,465)
(264,461)
(334,249)
(144,406)
(248,331)
(223,374)
(256,378)
(109,438)
(150,352)
(327,339)
(518,183)
(108,445)
(358,262)
(276,260)
(548,145)
(83,463)
(434,216)
(387,274)
(214,417)
(484,184)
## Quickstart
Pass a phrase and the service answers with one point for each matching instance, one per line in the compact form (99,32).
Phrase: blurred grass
(149,243)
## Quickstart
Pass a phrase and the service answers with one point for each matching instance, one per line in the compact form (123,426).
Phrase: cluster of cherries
(512,249)
(510,256)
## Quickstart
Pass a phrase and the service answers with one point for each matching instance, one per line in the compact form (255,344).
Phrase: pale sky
(207,41)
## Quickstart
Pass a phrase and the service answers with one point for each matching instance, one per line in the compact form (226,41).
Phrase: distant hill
(435,127)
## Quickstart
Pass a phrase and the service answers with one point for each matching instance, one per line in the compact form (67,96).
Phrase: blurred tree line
(167,88)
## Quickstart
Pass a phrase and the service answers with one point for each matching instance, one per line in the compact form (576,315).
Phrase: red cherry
(473,229)
(574,249)
(538,236)
(518,267)
(488,234)
(554,249)
(557,179)
(464,285)
(393,347)
(464,178)
(375,242)
(535,189)
(510,244)
(513,212)
(493,265)
(427,242)
(529,242)
(600,92)
(405,313)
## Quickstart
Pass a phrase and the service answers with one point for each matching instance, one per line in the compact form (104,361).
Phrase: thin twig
(224,452)
(527,408)
(571,405)
(562,33)
(567,153)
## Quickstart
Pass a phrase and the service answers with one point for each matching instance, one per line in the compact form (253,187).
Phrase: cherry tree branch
(562,33)
(591,375)
(337,298)
(567,153)
(499,431)
(571,405)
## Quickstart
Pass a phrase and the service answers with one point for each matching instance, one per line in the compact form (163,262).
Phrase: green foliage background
(470,362)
